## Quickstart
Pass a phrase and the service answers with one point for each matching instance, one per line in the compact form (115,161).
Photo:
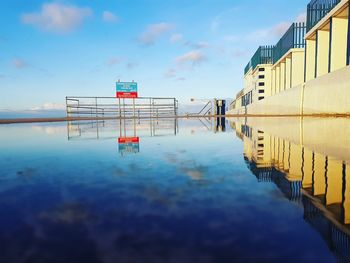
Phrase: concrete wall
(283,103)
(329,94)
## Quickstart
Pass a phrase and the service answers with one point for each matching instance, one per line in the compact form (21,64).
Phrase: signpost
(126,90)
(128,145)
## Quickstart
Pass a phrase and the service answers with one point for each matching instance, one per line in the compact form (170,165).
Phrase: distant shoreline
(64,119)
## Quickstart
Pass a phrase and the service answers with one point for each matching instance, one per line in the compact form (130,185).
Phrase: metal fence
(264,55)
(293,38)
(100,107)
(317,9)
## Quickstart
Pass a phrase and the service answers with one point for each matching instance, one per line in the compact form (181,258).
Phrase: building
(306,72)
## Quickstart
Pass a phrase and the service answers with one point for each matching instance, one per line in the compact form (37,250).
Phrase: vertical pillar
(273,82)
(322,52)
(346,199)
(310,61)
(278,77)
(338,43)
(283,75)
(307,176)
(334,192)
(288,72)
(319,176)
(297,68)
(348,45)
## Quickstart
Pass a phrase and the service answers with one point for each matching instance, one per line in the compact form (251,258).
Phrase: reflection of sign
(126,90)
(129,145)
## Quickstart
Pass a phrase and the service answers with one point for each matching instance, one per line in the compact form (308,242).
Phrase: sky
(171,48)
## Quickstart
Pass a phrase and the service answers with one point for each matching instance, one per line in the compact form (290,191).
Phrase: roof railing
(318,9)
(264,55)
(293,38)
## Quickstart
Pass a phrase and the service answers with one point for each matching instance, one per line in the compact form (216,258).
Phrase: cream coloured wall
(346,204)
(288,73)
(334,189)
(322,52)
(319,187)
(310,59)
(298,65)
(329,94)
(273,82)
(283,76)
(338,43)
(278,79)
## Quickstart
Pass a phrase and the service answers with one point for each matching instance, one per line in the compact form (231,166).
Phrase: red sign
(127,95)
(122,140)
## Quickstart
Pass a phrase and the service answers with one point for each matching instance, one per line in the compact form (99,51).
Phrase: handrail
(318,9)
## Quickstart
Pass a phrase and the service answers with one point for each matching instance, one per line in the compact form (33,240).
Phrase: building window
(261,69)
(261,91)
(261,98)
(261,76)
(261,84)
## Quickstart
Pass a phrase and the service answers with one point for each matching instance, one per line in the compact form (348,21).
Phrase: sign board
(127,145)
(126,90)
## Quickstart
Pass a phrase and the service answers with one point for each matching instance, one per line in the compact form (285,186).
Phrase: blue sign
(126,90)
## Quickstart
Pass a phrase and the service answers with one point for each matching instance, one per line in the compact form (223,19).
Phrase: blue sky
(172,48)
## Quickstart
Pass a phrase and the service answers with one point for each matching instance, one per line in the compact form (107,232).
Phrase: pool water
(162,191)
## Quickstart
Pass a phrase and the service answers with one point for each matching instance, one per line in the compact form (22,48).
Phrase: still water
(248,190)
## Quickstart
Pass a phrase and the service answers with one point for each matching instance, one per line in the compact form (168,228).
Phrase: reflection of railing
(293,38)
(112,129)
(317,9)
(336,236)
(100,107)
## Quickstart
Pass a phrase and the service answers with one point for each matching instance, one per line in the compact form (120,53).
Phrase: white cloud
(218,19)
(19,63)
(200,45)
(231,38)
(170,73)
(275,31)
(113,61)
(301,17)
(176,38)
(193,58)
(56,17)
(49,106)
(154,31)
(240,53)
(131,65)
(108,16)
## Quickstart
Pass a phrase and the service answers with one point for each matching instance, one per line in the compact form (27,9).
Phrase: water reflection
(313,175)
(101,129)
(183,198)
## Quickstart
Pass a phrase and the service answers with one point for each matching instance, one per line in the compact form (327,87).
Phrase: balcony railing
(264,55)
(317,9)
(293,38)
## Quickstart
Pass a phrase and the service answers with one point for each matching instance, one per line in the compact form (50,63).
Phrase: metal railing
(317,9)
(264,55)
(100,107)
(293,38)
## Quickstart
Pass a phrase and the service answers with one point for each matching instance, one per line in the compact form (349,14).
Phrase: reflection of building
(319,180)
